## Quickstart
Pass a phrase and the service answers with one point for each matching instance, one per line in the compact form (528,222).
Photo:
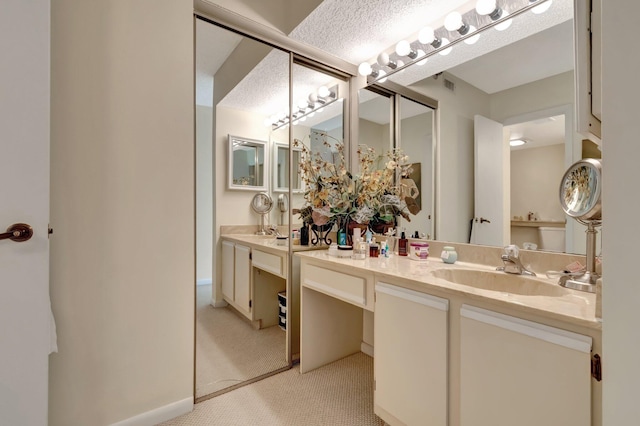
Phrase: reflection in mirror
(247,164)
(281,169)
(416,141)
(494,79)
(375,111)
(320,132)
(233,98)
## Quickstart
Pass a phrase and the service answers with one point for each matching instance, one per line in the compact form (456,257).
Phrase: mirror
(321,130)
(494,79)
(414,131)
(233,156)
(281,169)
(247,164)
(416,141)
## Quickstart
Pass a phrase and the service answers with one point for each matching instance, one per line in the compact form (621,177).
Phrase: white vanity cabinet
(236,279)
(518,372)
(410,362)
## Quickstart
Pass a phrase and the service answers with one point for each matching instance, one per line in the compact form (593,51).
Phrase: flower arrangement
(335,195)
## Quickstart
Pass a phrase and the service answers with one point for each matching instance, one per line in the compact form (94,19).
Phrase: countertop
(572,306)
(268,243)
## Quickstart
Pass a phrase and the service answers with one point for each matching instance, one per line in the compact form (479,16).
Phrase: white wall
(535,178)
(373,135)
(122,205)
(620,236)
(538,95)
(204,194)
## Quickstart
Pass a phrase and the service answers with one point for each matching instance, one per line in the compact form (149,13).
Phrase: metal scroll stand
(580,191)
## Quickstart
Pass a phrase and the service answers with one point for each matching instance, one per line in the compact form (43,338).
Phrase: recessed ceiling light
(517,142)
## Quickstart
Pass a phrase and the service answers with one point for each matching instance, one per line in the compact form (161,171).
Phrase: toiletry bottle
(383,248)
(402,245)
(386,248)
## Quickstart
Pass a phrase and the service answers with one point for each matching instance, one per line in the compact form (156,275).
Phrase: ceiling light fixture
(487,13)
(518,142)
(315,102)
(491,9)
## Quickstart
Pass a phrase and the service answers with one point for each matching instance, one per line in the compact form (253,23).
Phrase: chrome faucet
(273,230)
(512,265)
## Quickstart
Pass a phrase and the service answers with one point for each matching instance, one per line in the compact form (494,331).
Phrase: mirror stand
(586,281)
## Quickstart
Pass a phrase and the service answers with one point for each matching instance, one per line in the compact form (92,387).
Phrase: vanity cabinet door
(228,276)
(517,372)
(410,362)
(242,274)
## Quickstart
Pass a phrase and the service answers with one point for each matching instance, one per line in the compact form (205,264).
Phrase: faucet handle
(511,250)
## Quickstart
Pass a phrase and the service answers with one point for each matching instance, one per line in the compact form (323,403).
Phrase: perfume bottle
(402,245)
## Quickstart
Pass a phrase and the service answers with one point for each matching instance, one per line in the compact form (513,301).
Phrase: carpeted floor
(229,350)
(340,393)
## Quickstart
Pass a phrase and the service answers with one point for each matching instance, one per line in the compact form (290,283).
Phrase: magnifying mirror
(262,203)
(580,191)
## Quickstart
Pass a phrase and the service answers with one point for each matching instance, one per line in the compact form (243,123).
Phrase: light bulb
(453,21)
(313,98)
(303,104)
(400,63)
(383,59)
(472,39)
(446,51)
(426,35)
(365,69)
(403,48)
(541,8)
(504,24)
(381,73)
(323,91)
(485,7)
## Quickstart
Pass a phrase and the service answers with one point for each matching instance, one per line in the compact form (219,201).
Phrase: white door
(491,223)
(24,195)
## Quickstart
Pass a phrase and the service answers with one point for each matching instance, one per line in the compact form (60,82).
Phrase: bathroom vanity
(255,269)
(457,344)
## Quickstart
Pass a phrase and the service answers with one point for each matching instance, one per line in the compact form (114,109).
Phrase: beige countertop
(267,243)
(570,306)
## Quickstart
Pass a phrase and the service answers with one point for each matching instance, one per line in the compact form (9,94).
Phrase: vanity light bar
(486,14)
(316,101)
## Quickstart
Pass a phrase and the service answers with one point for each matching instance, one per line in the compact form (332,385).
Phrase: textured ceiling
(358,31)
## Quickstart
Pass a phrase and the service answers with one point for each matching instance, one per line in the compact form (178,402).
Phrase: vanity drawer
(353,289)
(268,262)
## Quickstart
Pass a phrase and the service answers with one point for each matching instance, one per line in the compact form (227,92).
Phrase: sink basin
(502,282)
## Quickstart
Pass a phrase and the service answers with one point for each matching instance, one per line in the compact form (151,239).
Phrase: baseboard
(204,281)
(219,304)
(160,414)
(366,348)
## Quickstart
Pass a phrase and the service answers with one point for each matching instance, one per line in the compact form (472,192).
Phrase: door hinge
(250,303)
(596,367)
(250,255)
